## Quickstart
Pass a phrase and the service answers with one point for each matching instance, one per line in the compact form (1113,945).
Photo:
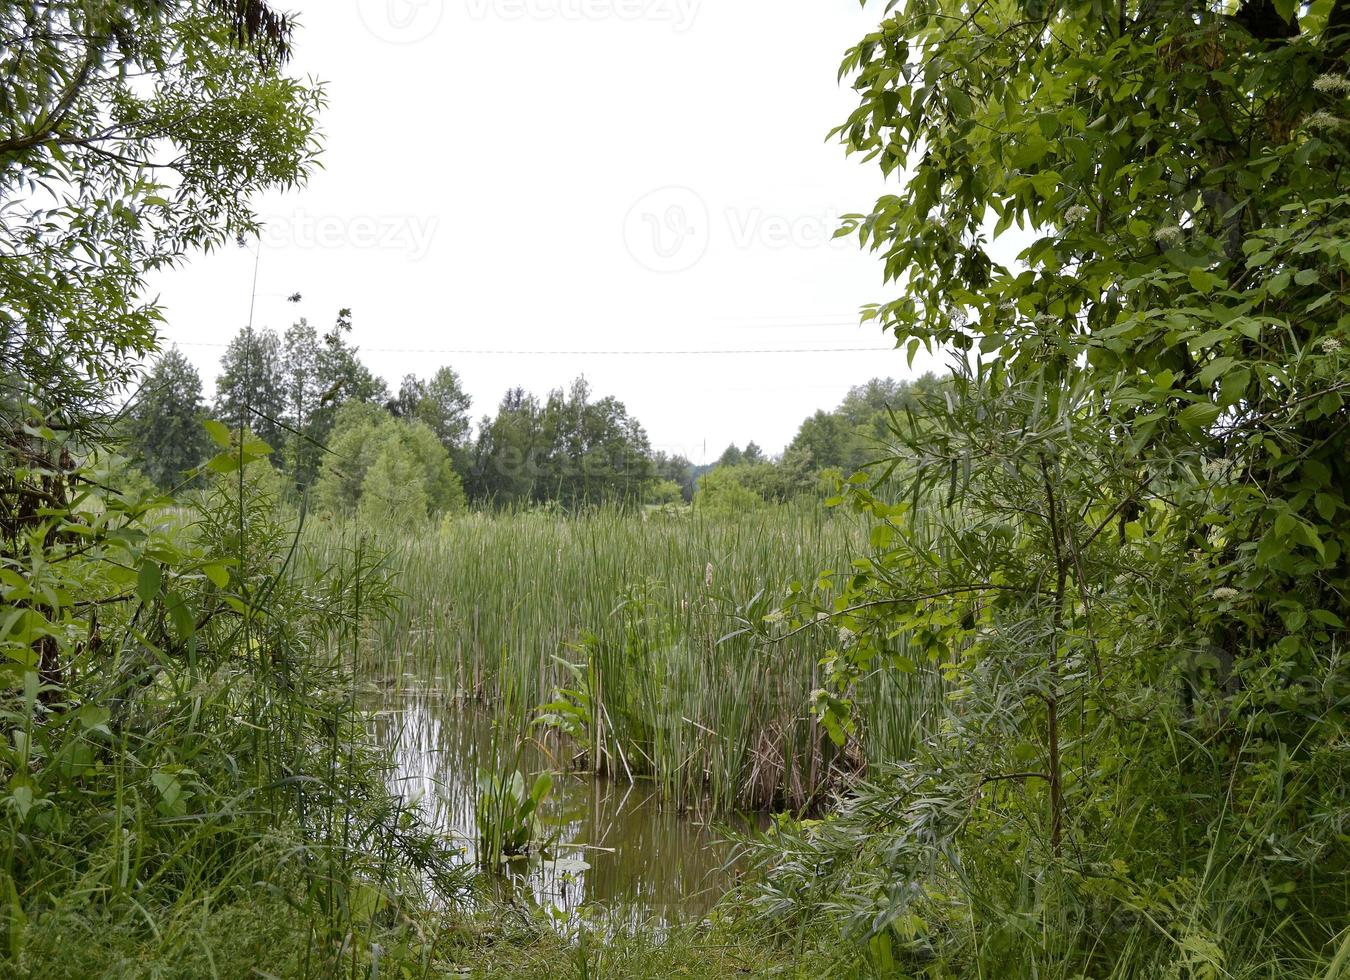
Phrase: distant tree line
(352,446)
(828,445)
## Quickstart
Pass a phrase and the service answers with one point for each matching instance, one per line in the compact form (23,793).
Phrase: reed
(619,623)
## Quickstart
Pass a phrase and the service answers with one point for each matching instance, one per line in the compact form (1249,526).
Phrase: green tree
(571,450)
(731,456)
(594,451)
(726,491)
(149,130)
(386,470)
(507,451)
(825,438)
(1123,542)
(411,391)
(250,389)
(302,391)
(675,469)
(164,421)
(444,408)
(353,446)
(342,378)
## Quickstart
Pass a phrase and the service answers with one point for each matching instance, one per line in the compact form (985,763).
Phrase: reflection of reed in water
(645,862)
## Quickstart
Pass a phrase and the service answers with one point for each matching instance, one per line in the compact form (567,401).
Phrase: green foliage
(251,389)
(858,431)
(661,679)
(570,450)
(674,469)
(163,426)
(142,129)
(508,814)
(731,489)
(177,726)
(1120,540)
(388,471)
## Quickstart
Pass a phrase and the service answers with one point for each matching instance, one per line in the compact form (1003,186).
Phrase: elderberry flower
(1321,119)
(1075,214)
(1224,593)
(1330,345)
(1332,83)
(1168,234)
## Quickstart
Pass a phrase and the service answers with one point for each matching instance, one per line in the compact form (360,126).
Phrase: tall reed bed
(615,631)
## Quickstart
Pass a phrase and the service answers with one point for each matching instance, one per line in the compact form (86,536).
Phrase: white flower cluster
(1225,593)
(1075,214)
(1168,234)
(1332,83)
(1330,345)
(1321,119)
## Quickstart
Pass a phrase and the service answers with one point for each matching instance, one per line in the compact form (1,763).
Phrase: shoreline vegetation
(1052,683)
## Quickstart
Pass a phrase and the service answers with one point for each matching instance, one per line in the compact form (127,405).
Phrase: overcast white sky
(576,175)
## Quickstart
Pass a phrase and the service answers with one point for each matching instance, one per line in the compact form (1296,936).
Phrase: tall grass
(621,623)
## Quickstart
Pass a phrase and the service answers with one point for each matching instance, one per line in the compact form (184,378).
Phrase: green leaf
(181,615)
(218,572)
(148,581)
(219,432)
(223,463)
(1196,418)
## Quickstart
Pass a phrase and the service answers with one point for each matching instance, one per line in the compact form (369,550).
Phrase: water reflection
(614,847)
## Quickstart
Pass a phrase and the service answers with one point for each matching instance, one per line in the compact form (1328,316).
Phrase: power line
(588,353)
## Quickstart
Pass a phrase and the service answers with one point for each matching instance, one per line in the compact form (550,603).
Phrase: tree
(825,437)
(1136,488)
(571,450)
(444,408)
(342,378)
(595,452)
(250,389)
(386,470)
(731,456)
(353,445)
(164,421)
(106,109)
(675,469)
(506,455)
(411,391)
(302,391)
(753,454)
(442,404)
(858,431)
(724,491)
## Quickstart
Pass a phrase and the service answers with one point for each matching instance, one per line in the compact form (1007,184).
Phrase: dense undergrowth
(183,736)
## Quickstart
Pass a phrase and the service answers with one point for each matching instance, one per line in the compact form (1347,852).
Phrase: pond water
(615,850)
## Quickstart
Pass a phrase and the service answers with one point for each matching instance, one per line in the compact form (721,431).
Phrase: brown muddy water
(613,850)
